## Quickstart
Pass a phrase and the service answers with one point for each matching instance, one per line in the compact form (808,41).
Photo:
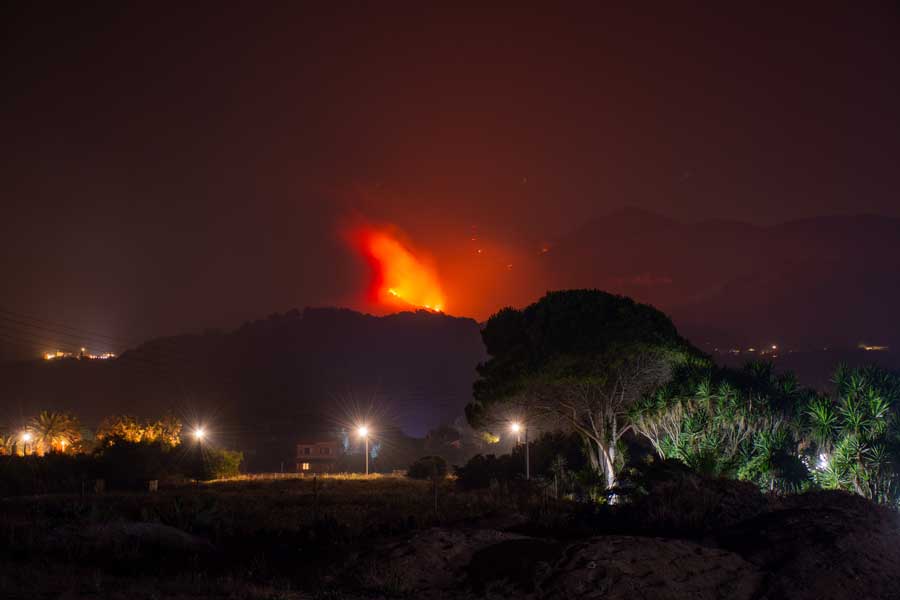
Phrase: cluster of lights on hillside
(873,348)
(763,351)
(774,350)
(83,355)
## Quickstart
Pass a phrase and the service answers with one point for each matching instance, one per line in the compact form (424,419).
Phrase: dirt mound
(633,568)
(677,502)
(429,563)
(516,565)
(823,545)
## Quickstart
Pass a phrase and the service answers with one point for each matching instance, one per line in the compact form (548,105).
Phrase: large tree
(577,360)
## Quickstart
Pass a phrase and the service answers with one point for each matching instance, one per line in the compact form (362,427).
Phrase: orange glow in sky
(400,278)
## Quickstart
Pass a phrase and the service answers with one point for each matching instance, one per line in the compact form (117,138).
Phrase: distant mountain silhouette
(271,381)
(808,283)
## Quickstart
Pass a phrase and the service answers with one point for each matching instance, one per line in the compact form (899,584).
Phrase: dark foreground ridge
(392,537)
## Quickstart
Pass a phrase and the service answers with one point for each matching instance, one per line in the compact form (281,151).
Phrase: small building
(319,456)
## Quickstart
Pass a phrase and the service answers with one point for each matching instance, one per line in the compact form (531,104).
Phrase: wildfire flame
(399,277)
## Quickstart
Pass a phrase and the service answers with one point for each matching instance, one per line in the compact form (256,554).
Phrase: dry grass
(304,477)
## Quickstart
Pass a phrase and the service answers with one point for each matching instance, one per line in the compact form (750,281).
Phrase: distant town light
(199,434)
(873,348)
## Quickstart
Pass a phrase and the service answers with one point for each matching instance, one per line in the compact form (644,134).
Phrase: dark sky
(173,168)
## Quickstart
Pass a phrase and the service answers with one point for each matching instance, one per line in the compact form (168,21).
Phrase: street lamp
(364,433)
(199,435)
(516,428)
(26,439)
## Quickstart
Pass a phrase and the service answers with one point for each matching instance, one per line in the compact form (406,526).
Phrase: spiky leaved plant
(854,433)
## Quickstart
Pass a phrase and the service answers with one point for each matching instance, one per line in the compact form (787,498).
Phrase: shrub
(222,463)
(128,464)
(482,469)
(428,467)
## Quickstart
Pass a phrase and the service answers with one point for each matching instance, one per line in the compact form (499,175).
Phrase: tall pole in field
(364,433)
(527,459)
(199,434)
(517,429)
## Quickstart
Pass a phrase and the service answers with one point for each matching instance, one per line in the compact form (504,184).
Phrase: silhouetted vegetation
(428,467)
(605,368)
(50,456)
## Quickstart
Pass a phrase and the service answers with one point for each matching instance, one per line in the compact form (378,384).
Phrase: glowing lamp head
(199,433)
(516,427)
(363,431)
(27,437)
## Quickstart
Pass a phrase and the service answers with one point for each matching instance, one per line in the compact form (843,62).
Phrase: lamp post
(199,434)
(26,439)
(364,433)
(517,428)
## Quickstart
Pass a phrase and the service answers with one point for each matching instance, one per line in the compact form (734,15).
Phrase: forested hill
(272,380)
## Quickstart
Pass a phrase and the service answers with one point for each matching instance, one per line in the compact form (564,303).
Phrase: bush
(49,474)
(665,497)
(127,464)
(428,467)
(482,469)
(222,463)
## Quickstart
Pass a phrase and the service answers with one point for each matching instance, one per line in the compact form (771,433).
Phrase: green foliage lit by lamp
(854,434)
(726,423)
(221,463)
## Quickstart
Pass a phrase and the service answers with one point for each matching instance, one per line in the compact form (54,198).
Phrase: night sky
(172,169)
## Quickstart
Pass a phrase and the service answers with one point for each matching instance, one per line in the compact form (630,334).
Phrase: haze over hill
(803,285)
(732,283)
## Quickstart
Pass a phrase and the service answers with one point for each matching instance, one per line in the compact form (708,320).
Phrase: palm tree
(53,431)
(6,444)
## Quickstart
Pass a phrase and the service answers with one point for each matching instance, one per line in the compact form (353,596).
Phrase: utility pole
(527,460)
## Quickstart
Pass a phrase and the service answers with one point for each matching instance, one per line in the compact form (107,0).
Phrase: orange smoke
(399,277)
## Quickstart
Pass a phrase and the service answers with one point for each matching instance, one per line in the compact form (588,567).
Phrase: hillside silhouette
(271,381)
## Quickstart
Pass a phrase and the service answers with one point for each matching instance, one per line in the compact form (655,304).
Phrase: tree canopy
(573,333)
(576,360)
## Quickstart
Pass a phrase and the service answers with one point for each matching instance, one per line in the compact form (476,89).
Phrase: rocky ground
(727,542)
(824,545)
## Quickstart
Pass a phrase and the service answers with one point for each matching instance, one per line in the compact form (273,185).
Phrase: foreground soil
(396,538)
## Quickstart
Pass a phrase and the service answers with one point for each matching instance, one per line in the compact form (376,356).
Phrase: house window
(305,466)
(306,451)
(326,450)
